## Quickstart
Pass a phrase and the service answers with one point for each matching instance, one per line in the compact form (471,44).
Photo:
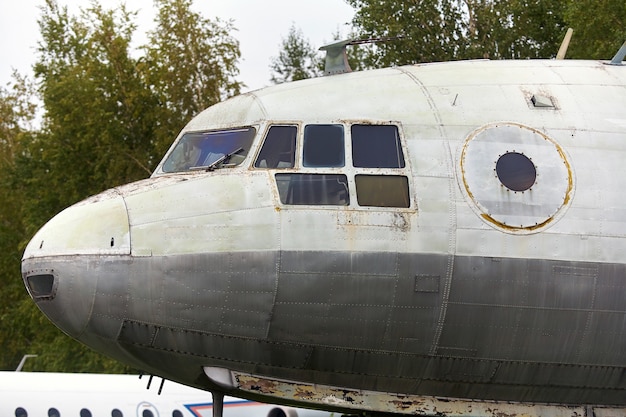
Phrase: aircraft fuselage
(451,230)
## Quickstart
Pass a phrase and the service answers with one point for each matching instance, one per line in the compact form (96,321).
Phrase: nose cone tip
(97,226)
(61,264)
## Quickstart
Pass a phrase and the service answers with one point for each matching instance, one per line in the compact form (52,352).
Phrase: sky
(261,25)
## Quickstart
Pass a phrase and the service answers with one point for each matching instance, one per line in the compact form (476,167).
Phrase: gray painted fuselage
(473,291)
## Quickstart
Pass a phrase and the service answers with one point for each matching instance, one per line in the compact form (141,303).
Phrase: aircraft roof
(353,93)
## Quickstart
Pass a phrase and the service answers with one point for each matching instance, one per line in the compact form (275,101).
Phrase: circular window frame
(530,210)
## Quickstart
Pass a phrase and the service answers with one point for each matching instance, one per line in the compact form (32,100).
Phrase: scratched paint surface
(427,301)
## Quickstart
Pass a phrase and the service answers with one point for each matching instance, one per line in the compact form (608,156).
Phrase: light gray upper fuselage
(472,289)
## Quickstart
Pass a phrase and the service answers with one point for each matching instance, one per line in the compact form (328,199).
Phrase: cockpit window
(376,146)
(279,148)
(382,190)
(323,146)
(313,189)
(209,150)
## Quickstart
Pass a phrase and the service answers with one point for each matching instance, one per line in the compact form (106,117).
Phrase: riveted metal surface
(426,309)
(525,211)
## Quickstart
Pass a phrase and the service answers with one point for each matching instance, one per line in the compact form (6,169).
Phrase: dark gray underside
(465,327)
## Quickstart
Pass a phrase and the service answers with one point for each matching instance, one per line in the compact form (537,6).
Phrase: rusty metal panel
(342,398)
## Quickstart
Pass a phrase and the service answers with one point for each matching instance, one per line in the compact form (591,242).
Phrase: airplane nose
(60,264)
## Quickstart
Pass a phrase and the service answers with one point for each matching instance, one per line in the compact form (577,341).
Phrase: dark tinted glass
(382,190)
(279,148)
(20,412)
(41,286)
(376,146)
(313,189)
(85,413)
(323,146)
(516,171)
(116,413)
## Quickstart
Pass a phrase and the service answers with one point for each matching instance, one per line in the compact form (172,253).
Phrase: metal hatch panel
(516,178)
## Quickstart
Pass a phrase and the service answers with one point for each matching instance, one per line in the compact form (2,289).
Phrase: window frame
(369,171)
(160,170)
(345,158)
(397,143)
(307,178)
(349,170)
(405,193)
(263,139)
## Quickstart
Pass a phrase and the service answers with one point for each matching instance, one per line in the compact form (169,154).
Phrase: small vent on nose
(41,286)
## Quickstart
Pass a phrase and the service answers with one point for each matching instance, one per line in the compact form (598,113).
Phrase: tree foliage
(599,28)
(419,31)
(17,112)
(296,60)
(190,63)
(513,29)
(441,30)
(108,116)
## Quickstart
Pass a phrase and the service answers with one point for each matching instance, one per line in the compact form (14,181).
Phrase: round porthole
(516,178)
(145,409)
(516,171)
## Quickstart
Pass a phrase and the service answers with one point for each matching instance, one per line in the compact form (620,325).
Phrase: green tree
(17,113)
(599,28)
(191,64)
(297,59)
(513,29)
(420,31)
(97,127)
(441,30)
(92,136)
(108,116)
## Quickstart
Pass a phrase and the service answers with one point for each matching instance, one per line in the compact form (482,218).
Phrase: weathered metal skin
(473,293)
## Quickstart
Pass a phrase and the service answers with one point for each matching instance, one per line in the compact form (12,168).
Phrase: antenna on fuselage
(23,361)
(565,44)
(336,61)
(336,57)
(619,56)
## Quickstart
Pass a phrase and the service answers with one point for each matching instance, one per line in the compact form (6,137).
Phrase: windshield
(209,150)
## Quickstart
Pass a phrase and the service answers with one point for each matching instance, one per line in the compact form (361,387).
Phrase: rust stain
(303,392)
(257,384)
(368,401)
(403,405)
(497,413)
(513,228)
